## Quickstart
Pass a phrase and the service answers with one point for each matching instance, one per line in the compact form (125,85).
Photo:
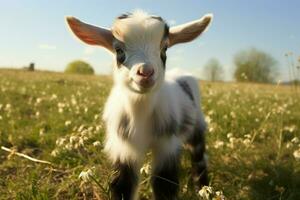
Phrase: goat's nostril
(145,72)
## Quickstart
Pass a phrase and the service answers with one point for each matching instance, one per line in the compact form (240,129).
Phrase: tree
(255,66)
(213,70)
(79,67)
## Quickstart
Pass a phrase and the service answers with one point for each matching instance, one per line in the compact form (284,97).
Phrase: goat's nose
(145,71)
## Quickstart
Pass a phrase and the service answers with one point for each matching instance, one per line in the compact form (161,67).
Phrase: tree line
(251,65)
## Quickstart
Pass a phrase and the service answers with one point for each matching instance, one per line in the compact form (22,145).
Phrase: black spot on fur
(158,18)
(119,48)
(124,127)
(164,127)
(166,31)
(163,54)
(187,123)
(124,183)
(186,88)
(165,181)
(124,16)
(166,28)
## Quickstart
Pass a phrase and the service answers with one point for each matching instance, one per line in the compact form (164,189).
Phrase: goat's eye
(120,55)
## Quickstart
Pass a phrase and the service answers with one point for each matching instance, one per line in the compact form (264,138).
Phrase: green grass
(57,117)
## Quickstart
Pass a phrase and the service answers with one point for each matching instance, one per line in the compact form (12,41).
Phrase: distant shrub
(213,70)
(79,67)
(255,66)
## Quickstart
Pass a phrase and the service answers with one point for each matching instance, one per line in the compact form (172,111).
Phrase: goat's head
(139,42)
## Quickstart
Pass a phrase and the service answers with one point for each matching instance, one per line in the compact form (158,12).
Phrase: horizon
(36,32)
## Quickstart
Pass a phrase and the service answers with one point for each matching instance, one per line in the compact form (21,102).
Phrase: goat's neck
(140,104)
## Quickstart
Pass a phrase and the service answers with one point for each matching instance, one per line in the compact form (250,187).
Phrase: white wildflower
(295,140)
(98,128)
(229,135)
(60,141)
(232,140)
(208,119)
(211,112)
(289,145)
(67,123)
(81,141)
(73,139)
(247,136)
(80,129)
(42,131)
(90,128)
(218,144)
(61,105)
(54,153)
(84,132)
(73,101)
(8,107)
(60,110)
(291,128)
(185,188)
(219,195)
(96,143)
(85,138)
(297,154)
(146,169)
(69,147)
(54,96)
(38,100)
(85,175)
(233,115)
(247,142)
(205,192)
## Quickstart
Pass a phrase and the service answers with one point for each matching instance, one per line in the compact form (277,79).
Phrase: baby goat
(146,110)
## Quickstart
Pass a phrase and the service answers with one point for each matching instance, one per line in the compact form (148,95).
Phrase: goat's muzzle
(145,76)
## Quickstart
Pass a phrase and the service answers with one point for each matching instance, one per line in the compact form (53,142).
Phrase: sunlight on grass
(252,139)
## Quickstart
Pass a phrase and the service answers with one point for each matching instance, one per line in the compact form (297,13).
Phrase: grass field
(252,139)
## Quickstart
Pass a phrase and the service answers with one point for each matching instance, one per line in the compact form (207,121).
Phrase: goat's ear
(91,34)
(189,31)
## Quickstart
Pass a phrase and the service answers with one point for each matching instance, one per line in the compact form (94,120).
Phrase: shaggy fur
(160,118)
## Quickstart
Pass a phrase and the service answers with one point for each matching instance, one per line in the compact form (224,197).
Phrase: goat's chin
(140,88)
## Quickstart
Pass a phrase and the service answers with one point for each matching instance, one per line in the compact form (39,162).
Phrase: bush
(255,66)
(213,70)
(79,67)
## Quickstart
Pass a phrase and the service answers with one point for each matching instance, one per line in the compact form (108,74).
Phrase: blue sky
(35,31)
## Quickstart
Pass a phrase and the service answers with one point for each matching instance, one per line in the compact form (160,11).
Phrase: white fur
(168,99)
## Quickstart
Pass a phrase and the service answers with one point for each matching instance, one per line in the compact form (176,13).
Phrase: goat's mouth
(143,85)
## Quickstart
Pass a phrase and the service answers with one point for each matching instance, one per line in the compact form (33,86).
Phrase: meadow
(253,142)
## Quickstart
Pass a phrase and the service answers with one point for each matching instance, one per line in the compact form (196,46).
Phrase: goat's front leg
(124,184)
(165,181)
